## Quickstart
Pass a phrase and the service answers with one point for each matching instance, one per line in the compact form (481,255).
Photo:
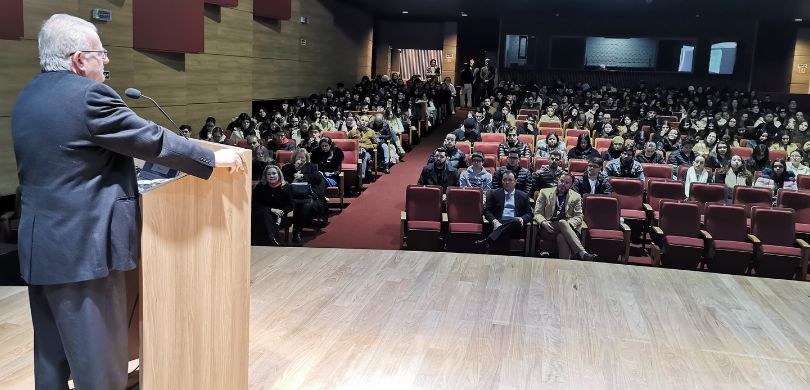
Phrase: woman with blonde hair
(271,203)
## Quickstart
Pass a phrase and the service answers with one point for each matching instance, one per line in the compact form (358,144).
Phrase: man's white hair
(60,36)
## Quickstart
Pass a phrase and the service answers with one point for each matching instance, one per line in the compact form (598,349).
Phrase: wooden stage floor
(362,319)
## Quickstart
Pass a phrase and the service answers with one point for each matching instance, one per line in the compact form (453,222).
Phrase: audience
(522,175)
(697,173)
(307,188)
(476,175)
(593,181)
(625,166)
(439,172)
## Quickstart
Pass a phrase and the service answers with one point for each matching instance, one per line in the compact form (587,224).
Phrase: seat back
(486,147)
(464,147)
(664,190)
(576,132)
(464,205)
(423,203)
(602,212)
(350,152)
(524,161)
(680,219)
(490,161)
(335,134)
(527,139)
(774,155)
(773,226)
(283,156)
(544,131)
(539,162)
(493,137)
(799,201)
(752,196)
(803,182)
(577,166)
(682,172)
(529,111)
(570,142)
(742,151)
(603,143)
(663,171)
(726,222)
(630,192)
(550,124)
(707,192)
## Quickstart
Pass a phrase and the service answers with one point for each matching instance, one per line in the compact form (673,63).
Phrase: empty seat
(603,233)
(729,250)
(577,166)
(493,137)
(486,148)
(464,215)
(778,253)
(752,196)
(420,223)
(799,201)
(630,193)
(742,151)
(678,241)
(659,191)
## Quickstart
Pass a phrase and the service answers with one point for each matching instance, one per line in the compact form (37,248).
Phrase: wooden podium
(190,325)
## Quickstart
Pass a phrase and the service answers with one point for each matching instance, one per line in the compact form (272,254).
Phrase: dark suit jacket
(74,140)
(493,209)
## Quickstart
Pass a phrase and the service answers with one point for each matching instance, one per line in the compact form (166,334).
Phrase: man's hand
(496,223)
(520,220)
(230,159)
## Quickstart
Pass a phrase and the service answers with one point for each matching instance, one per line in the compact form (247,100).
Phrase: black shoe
(273,241)
(589,256)
(296,237)
(386,170)
(545,254)
(401,158)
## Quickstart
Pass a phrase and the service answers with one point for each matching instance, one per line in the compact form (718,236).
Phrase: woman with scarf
(732,175)
(583,149)
(271,203)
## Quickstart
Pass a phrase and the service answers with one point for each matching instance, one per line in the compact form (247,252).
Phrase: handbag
(301,190)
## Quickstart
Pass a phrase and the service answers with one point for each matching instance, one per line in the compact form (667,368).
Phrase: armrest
(445,219)
(802,243)
(403,215)
(647,207)
(754,239)
(625,228)
(706,235)
(657,230)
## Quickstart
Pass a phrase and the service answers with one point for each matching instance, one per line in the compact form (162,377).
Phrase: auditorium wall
(244,59)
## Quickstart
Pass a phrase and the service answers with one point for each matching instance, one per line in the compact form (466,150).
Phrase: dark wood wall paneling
(11,19)
(224,3)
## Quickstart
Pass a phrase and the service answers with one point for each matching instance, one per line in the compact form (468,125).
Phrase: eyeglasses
(101,53)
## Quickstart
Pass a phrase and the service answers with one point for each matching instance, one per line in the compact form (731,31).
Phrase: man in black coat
(508,209)
(79,227)
(439,172)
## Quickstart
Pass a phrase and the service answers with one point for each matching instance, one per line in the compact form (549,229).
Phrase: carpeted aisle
(372,219)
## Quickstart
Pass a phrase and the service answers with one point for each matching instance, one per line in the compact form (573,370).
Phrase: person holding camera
(558,212)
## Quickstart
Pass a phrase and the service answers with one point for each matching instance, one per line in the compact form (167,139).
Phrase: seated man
(367,140)
(513,164)
(455,158)
(548,175)
(512,141)
(476,175)
(683,156)
(439,172)
(625,166)
(615,149)
(650,154)
(558,212)
(468,131)
(508,209)
(593,181)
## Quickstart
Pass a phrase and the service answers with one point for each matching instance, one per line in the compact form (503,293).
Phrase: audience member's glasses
(101,53)
(514,158)
(554,159)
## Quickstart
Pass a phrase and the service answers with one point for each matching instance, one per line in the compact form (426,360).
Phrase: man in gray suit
(80,224)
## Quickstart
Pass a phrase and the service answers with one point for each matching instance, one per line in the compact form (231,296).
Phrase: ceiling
(451,9)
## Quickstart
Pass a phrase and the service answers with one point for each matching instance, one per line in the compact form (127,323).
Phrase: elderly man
(79,229)
(558,212)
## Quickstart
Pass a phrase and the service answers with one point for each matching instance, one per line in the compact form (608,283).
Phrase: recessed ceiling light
(404,12)
(463,13)
(797,20)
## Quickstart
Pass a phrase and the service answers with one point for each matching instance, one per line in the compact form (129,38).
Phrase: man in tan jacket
(558,212)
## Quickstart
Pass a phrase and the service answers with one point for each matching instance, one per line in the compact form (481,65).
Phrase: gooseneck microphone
(133,93)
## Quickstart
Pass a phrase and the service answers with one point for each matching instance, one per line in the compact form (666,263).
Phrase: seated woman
(720,156)
(546,146)
(307,188)
(671,142)
(795,164)
(776,177)
(759,159)
(707,145)
(784,143)
(583,149)
(324,123)
(608,131)
(732,175)
(271,203)
(329,159)
(697,173)
(550,116)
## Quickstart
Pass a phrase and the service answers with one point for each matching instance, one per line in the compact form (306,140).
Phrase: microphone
(133,93)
